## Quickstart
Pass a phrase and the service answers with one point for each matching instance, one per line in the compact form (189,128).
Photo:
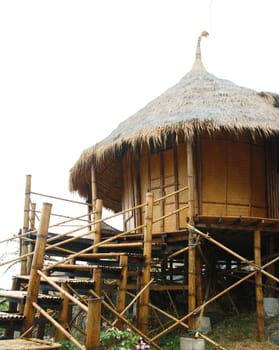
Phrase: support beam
(64,314)
(259,287)
(37,264)
(191,278)
(23,242)
(97,273)
(93,328)
(121,296)
(147,251)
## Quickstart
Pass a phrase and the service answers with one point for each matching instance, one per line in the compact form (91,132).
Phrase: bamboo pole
(191,278)
(93,328)
(191,181)
(121,295)
(63,317)
(182,250)
(97,272)
(259,288)
(199,290)
(37,264)
(57,325)
(23,244)
(30,245)
(147,252)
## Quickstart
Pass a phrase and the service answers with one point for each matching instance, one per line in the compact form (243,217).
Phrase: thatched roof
(199,101)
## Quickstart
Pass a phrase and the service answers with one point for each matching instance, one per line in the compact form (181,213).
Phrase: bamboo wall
(233,176)
(272,166)
(230,179)
(161,173)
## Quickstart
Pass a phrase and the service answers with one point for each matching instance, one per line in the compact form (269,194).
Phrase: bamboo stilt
(93,328)
(144,300)
(199,279)
(121,296)
(63,317)
(191,278)
(30,245)
(38,259)
(23,243)
(259,287)
(97,273)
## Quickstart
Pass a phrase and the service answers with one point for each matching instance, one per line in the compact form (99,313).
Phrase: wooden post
(259,286)
(93,328)
(64,314)
(147,251)
(121,297)
(37,264)
(191,278)
(97,273)
(23,242)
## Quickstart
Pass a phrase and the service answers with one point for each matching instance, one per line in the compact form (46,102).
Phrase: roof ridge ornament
(198,65)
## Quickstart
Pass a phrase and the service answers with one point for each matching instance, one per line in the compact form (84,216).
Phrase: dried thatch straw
(199,101)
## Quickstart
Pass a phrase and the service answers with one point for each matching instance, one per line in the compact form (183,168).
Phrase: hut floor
(23,344)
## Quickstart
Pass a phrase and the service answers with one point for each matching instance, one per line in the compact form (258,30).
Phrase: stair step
(32,344)
(13,320)
(19,296)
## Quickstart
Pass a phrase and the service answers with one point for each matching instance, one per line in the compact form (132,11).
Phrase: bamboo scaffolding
(220,245)
(217,296)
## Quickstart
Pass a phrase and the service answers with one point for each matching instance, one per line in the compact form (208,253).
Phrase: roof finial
(198,65)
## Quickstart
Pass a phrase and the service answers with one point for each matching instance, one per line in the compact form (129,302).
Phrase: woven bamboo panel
(259,193)
(238,173)
(233,180)
(213,171)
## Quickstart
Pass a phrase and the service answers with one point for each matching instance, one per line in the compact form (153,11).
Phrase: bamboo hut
(219,141)
(207,133)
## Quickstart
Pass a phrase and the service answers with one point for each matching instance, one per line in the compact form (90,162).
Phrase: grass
(233,333)
(240,333)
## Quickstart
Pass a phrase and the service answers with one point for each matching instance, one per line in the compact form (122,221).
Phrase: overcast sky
(70,71)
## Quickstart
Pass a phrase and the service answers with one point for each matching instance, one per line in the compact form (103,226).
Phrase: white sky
(70,71)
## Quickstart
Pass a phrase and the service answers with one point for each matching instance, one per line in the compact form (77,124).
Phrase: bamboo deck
(26,344)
